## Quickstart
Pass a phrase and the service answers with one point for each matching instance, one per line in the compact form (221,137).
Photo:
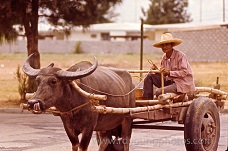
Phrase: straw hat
(167,38)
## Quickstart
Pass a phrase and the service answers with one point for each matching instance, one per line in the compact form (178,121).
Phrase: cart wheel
(202,126)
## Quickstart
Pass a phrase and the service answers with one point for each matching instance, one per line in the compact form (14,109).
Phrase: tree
(167,12)
(65,13)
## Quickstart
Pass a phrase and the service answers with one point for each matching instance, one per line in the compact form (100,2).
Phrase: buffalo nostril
(35,105)
(28,105)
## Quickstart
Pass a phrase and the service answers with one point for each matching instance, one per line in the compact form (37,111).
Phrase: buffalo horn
(28,69)
(78,74)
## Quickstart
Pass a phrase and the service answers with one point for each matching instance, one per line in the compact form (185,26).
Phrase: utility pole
(224,11)
(200,10)
(141,48)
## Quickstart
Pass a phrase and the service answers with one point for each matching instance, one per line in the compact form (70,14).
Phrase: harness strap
(77,107)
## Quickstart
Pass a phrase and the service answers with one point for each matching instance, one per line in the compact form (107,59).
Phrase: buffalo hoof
(117,146)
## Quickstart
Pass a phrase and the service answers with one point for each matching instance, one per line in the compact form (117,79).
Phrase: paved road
(29,132)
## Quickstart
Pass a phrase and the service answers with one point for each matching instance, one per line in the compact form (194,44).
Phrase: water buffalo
(55,89)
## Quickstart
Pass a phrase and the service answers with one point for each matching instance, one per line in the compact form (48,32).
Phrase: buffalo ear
(51,65)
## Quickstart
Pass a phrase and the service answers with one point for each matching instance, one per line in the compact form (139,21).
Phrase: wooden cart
(198,112)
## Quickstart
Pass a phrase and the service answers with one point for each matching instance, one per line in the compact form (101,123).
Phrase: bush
(22,83)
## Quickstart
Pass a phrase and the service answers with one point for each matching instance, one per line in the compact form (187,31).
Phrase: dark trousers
(155,80)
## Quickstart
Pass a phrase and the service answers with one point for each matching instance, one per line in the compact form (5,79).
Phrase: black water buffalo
(55,89)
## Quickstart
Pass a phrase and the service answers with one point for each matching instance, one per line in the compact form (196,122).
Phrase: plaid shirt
(180,71)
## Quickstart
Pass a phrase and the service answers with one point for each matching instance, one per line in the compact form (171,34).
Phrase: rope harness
(93,100)
(77,107)
(115,95)
(96,102)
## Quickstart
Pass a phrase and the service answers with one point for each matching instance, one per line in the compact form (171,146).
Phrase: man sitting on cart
(178,77)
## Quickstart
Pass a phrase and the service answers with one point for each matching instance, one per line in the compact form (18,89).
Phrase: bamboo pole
(221,94)
(222,97)
(86,94)
(143,71)
(162,82)
(146,102)
(111,110)
(105,110)
(210,90)
(166,96)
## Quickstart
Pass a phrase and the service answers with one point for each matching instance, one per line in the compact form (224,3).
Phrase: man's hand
(154,67)
(165,71)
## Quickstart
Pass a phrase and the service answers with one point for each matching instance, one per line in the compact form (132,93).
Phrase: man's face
(167,47)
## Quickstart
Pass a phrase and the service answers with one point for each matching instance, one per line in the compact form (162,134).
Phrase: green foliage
(85,12)
(167,12)
(65,13)
(22,83)
(77,48)
(7,31)
(62,14)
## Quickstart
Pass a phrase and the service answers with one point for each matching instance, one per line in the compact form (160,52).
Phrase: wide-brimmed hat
(167,38)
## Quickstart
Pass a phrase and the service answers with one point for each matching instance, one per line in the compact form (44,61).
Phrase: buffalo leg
(126,132)
(85,139)
(73,136)
(104,139)
(71,133)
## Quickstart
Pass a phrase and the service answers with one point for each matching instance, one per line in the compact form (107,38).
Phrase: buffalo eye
(53,81)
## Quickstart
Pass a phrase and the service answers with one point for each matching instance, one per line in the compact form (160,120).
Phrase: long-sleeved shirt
(180,71)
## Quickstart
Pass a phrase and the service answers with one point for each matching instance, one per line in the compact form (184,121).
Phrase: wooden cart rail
(155,104)
(163,101)
(105,110)
(111,110)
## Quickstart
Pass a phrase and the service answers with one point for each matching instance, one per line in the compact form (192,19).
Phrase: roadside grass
(205,73)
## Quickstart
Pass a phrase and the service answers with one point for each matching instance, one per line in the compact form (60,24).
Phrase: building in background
(110,32)
(121,31)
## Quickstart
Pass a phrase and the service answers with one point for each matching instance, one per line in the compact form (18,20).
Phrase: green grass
(205,73)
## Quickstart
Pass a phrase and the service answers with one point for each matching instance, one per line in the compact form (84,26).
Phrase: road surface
(45,132)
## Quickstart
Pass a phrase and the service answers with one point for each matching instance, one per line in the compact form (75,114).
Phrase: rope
(94,102)
(67,112)
(115,95)
(138,77)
